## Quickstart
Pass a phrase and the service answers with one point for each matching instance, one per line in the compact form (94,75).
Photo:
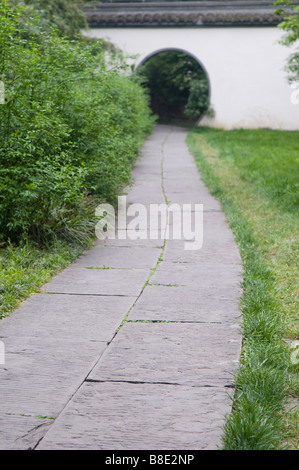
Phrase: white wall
(245,66)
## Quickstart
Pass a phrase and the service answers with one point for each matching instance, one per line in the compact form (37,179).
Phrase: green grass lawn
(254,174)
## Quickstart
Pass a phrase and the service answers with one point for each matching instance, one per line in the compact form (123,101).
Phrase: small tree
(289,12)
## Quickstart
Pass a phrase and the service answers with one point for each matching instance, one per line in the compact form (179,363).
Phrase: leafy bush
(198,100)
(70,129)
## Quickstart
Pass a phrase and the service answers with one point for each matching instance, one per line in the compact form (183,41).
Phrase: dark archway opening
(178,86)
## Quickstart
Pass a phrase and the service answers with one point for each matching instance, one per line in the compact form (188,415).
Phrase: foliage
(177,84)
(198,99)
(64,15)
(69,130)
(290,24)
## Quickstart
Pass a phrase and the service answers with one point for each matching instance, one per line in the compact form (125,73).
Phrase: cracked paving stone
(180,353)
(23,431)
(140,416)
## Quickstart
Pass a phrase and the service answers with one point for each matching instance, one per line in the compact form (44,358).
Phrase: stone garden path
(135,344)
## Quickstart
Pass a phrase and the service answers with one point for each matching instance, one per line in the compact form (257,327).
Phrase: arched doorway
(178,85)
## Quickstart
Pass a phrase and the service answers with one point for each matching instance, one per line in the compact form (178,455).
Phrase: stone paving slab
(87,317)
(181,305)
(140,192)
(122,416)
(41,374)
(118,257)
(203,275)
(177,353)
(211,252)
(97,282)
(175,194)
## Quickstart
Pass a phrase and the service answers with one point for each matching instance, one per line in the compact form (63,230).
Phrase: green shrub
(198,99)
(70,129)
